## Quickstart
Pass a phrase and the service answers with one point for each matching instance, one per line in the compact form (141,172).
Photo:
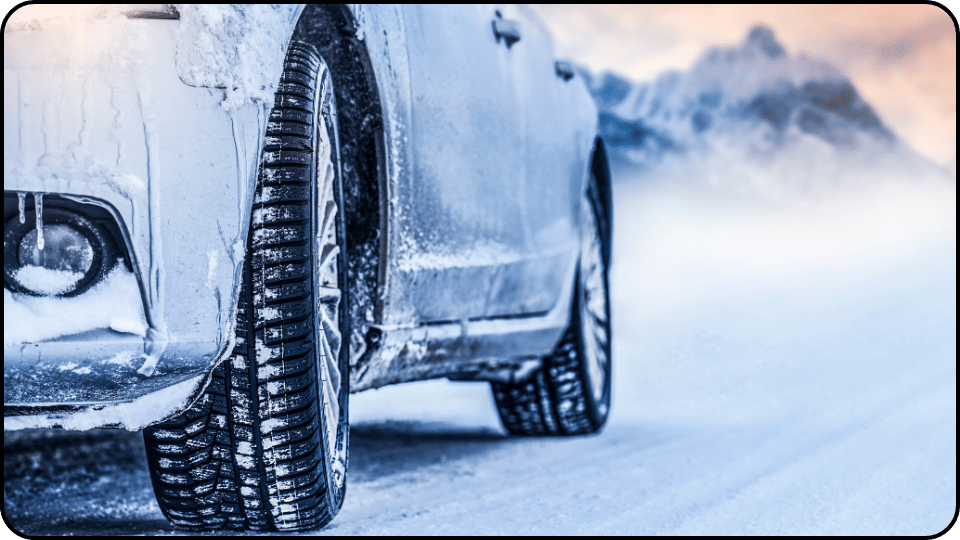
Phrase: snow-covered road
(787,369)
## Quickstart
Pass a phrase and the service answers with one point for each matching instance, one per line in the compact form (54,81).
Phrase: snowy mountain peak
(762,38)
(751,116)
(759,44)
(753,95)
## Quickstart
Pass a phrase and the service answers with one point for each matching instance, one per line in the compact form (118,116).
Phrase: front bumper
(101,113)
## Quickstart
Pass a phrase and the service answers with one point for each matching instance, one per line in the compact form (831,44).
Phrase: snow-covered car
(220,220)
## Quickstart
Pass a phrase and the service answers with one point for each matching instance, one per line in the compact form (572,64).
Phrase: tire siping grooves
(554,400)
(235,474)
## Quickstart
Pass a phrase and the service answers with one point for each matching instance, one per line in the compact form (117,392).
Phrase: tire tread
(247,451)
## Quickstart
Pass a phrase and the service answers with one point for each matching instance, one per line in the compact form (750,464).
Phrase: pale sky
(902,58)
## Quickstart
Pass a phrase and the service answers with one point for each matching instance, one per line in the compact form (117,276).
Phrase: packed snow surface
(113,303)
(778,369)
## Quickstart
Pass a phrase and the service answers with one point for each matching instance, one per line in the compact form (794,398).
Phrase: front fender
(94,107)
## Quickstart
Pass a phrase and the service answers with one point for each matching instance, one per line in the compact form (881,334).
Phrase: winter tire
(265,446)
(570,393)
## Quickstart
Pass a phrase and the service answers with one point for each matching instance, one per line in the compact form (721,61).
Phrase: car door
(553,163)
(462,224)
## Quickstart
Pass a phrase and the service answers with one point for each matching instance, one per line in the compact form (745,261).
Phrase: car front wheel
(265,446)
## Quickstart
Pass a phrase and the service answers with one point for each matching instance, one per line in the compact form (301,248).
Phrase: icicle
(23,203)
(38,203)
(154,343)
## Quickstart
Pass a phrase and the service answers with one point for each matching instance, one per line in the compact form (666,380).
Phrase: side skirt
(501,349)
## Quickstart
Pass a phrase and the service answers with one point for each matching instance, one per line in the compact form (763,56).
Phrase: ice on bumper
(132,416)
(113,304)
(95,110)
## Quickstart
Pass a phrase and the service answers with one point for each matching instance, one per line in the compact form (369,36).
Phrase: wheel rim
(328,285)
(594,314)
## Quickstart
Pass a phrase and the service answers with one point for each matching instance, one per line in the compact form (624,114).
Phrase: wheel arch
(600,167)
(332,29)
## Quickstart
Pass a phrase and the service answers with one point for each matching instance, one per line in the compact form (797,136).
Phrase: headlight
(66,257)
(61,254)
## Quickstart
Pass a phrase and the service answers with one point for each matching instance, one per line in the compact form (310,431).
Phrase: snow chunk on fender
(237,47)
(31,319)
(128,326)
(132,416)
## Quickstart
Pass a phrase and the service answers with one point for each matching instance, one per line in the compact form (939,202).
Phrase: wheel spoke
(327,288)
(327,295)
(330,381)
(327,267)
(328,230)
(329,326)
(600,332)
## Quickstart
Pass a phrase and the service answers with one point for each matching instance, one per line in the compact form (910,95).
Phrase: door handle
(506,29)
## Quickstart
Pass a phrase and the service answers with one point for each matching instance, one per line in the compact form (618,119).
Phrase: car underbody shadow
(384,448)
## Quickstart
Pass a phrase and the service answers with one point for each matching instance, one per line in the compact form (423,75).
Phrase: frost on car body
(161,121)
(88,115)
(237,47)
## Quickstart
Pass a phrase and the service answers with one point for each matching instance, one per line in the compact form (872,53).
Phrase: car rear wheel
(265,446)
(570,393)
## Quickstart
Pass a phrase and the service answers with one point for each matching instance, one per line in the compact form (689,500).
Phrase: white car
(220,220)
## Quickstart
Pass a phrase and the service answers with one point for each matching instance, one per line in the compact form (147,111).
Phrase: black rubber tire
(556,399)
(252,452)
